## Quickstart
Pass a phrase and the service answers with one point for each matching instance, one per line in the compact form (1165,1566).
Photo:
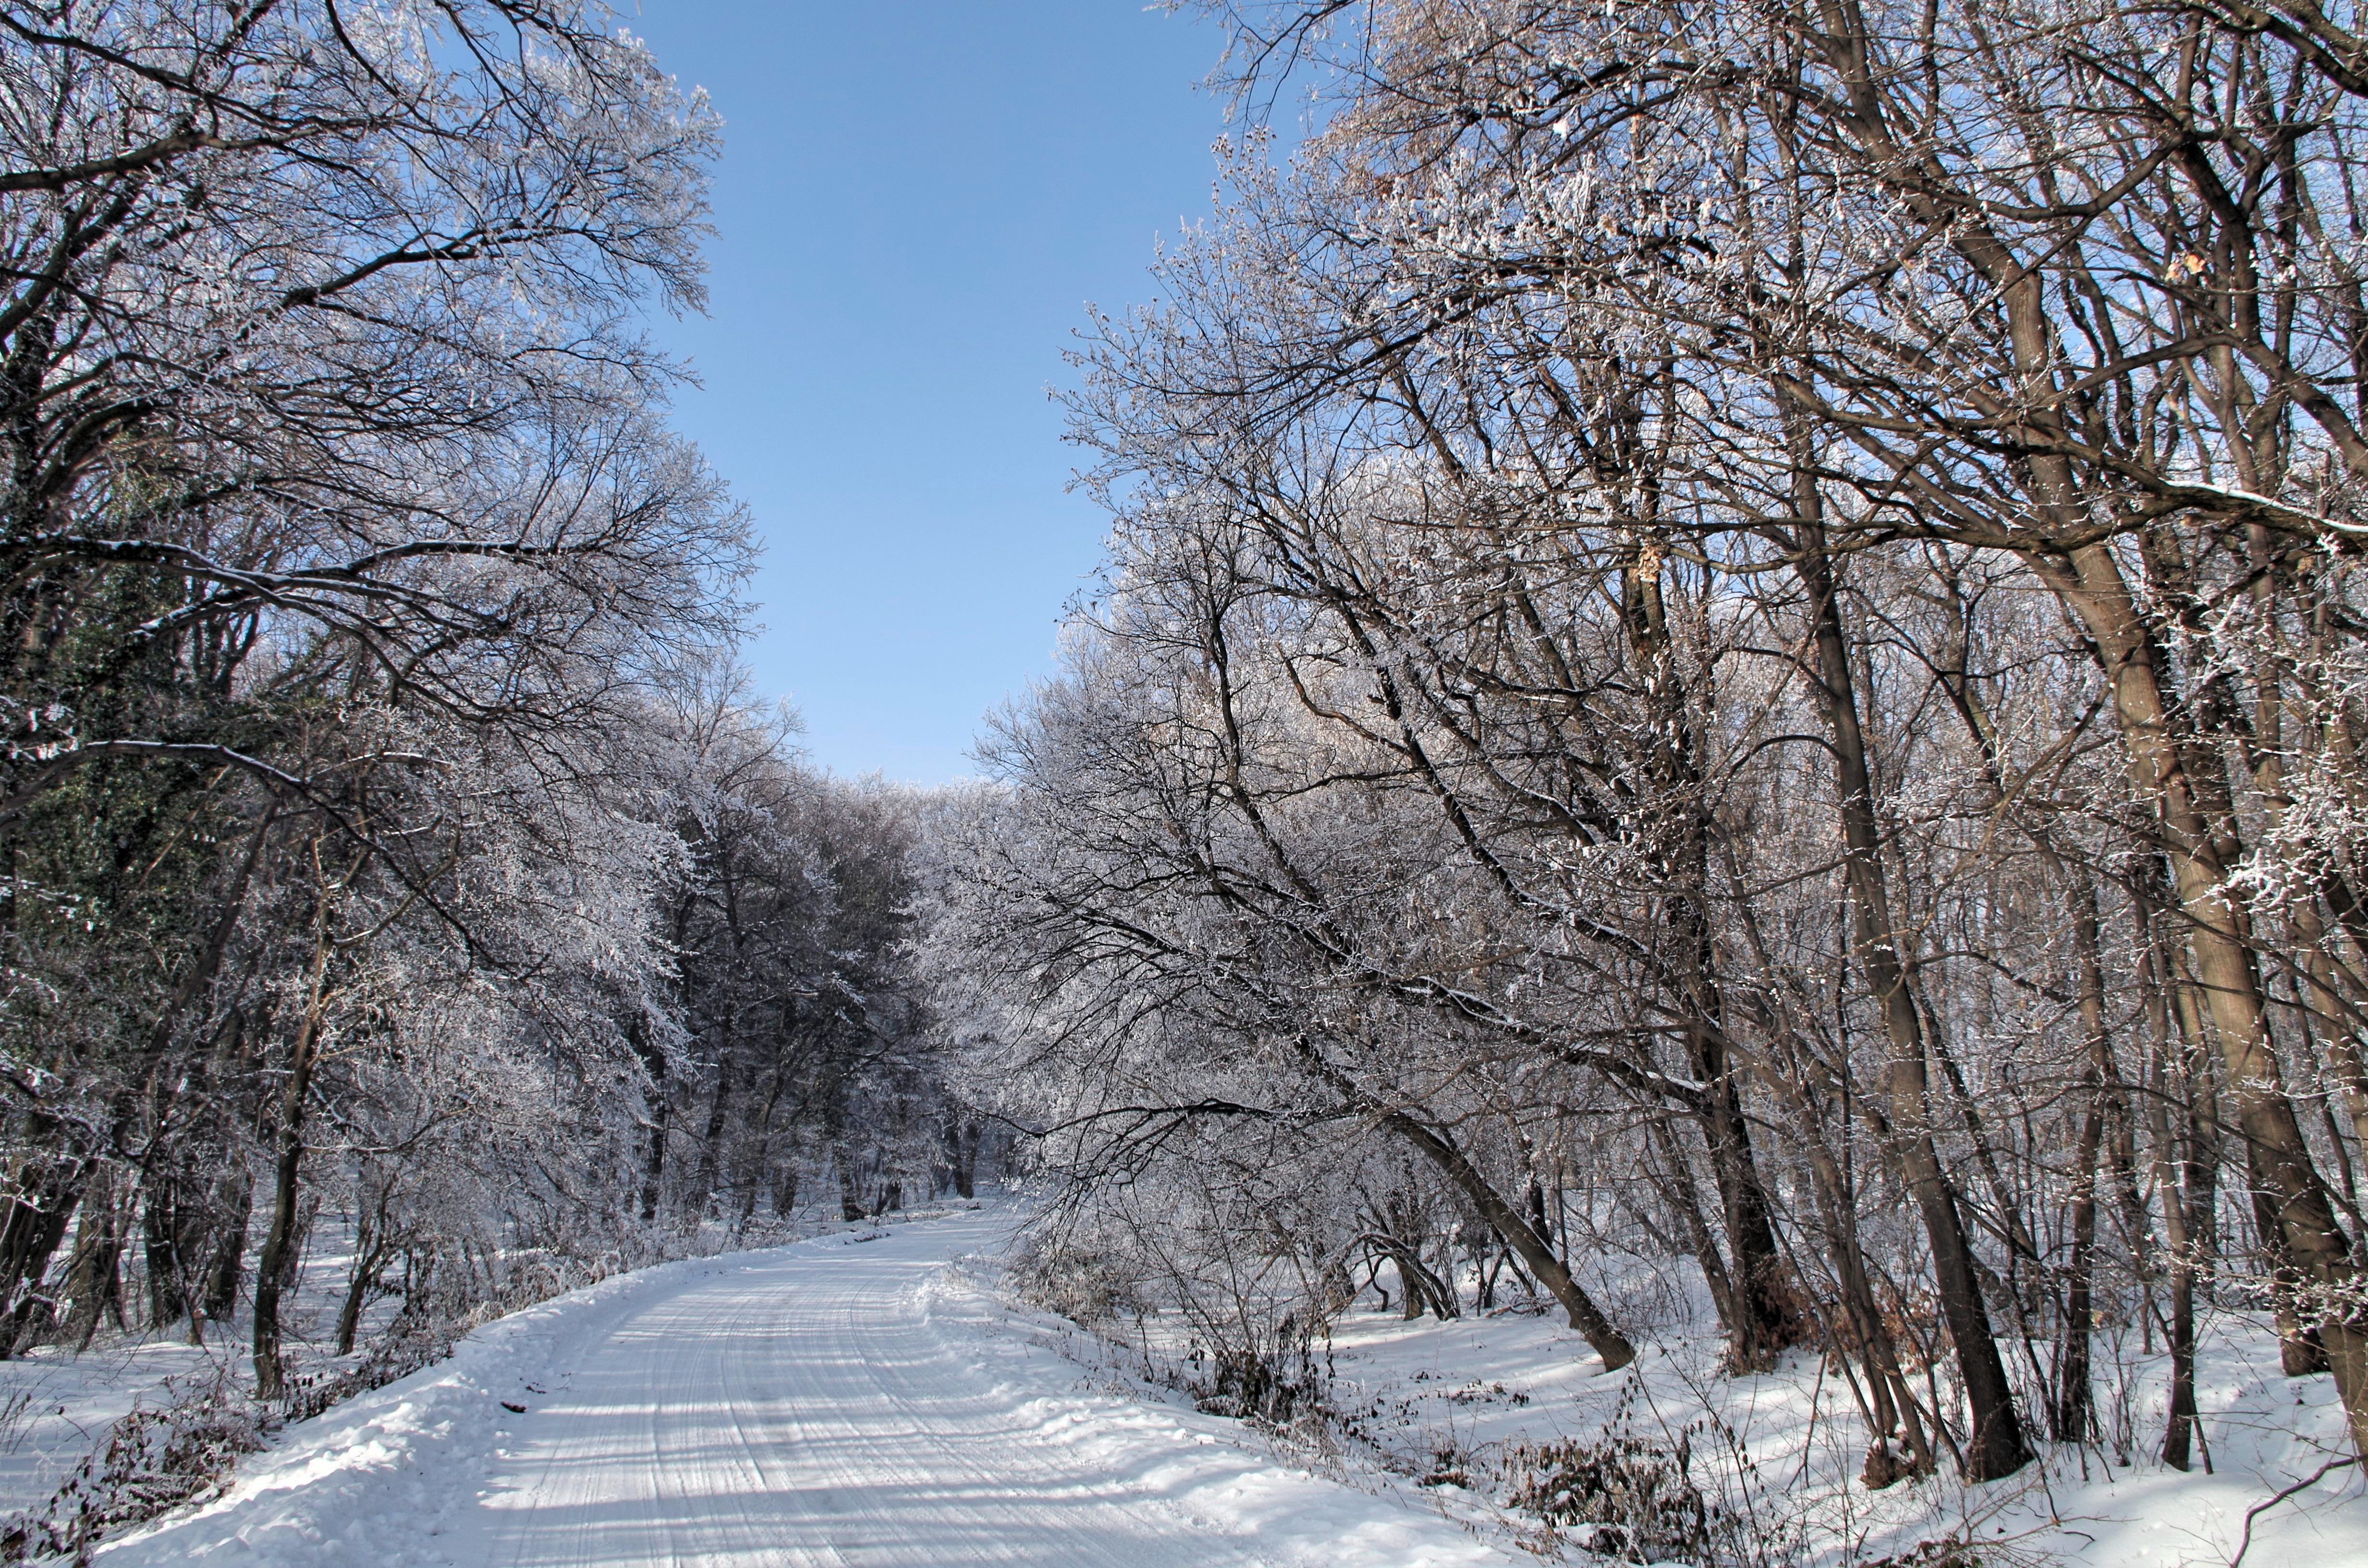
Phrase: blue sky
(916,200)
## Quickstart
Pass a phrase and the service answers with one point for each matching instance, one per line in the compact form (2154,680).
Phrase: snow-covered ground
(55,1406)
(1427,1396)
(841,1400)
(870,1398)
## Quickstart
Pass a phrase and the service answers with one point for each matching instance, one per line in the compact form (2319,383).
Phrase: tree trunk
(2156,736)
(1761,1320)
(785,1192)
(272,1269)
(1995,1447)
(2184,1176)
(38,1216)
(850,1201)
(2300,1351)
(2072,1412)
(959,1158)
(710,1146)
(1532,1249)
(2327,1002)
(369,1257)
(219,1301)
(171,1229)
(1676,1180)
(94,1278)
(1900,1447)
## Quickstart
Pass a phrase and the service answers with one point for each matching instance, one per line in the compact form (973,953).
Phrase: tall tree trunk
(2301,1352)
(274,1266)
(1898,1446)
(163,1221)
(2184,1175)
(962,1156)
(710,1146)
(653,1158)
(755,1165)
(1762,1321)
(49,1190)
(851,1200)
(2072,1412)
(1675,1178)
(235,1201)
(785,1192)
(1996,1446)
(661,1101)
(2336,1018)
(2158,742)
(369,1257)
(94,1277)
(148,1091)
(2186,1182)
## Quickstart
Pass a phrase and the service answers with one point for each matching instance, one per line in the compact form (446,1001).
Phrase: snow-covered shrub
(1628,1499)
(412,1341)
(153,1460)
(1256,1274)
(1691,1495)
(1278,1385)
(1949,1553)
(1076,1279)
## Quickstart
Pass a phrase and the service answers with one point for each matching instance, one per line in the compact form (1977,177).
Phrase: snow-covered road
(826,1403)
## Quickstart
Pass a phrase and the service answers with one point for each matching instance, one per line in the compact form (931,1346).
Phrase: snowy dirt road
(822,1405)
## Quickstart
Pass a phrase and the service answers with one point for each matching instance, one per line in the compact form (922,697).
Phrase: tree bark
(39,1215)
(654,1147)
(711,1147)
(1762,1320)
(2072,1412)
(273,1268)
(220,1297)
(2295,1202)
(1995,1447)
(1533,1250)
(94,1278)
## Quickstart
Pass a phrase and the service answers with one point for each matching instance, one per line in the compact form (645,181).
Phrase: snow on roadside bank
(399,1476)
(1211,1470)
(1782,1449)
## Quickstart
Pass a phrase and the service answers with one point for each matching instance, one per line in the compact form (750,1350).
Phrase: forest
(1729,643)
(1726,693)
(389,835)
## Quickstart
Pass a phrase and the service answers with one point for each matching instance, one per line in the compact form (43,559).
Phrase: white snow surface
(852,1400)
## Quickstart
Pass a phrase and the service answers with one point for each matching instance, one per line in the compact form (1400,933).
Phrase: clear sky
(916,200)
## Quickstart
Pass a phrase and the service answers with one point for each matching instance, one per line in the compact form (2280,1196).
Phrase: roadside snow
(862,1397)
(56,1406)
(1428,1395)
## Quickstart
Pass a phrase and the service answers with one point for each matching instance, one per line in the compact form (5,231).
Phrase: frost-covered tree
(349,563)
(1759,601)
